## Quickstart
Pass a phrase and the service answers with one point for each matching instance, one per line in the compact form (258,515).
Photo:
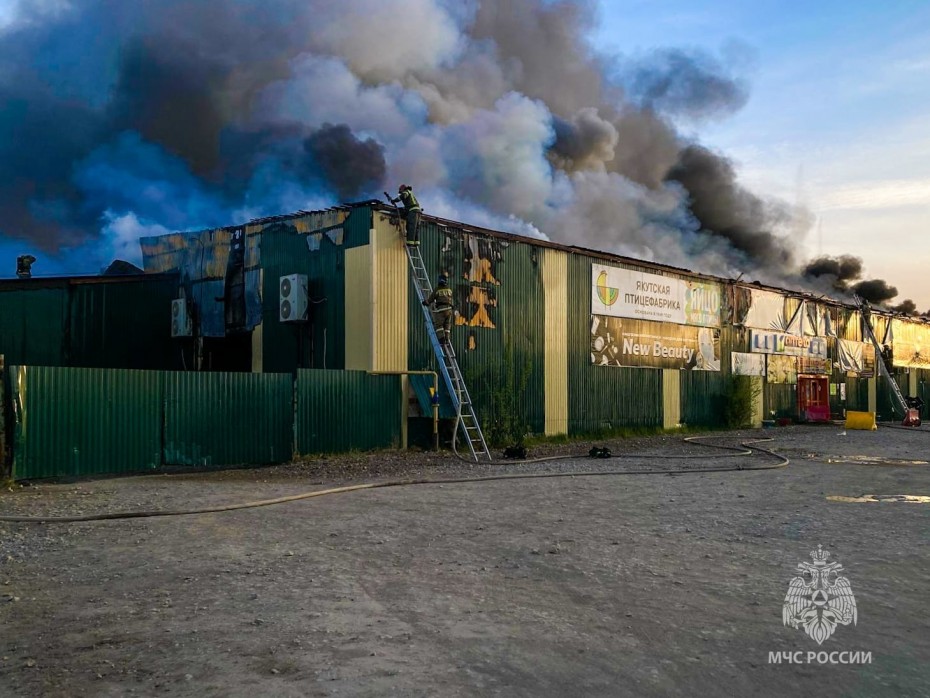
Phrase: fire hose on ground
(746,448)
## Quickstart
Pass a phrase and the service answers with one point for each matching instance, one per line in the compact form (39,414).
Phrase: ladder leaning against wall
(866,313)
(466,419)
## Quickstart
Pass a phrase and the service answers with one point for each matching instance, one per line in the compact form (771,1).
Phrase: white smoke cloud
(443,204)
(477,80)
(383,41)
(120,237)
(419,160)
(323,89)
(498,157)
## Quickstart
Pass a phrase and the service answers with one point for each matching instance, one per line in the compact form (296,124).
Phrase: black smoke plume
(727,210)
(584,140)
(906,307)
(844,274)
(841,270)
(874,291)
(351,165)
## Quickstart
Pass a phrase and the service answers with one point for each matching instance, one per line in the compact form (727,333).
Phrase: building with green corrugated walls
(525,323)
(90,322)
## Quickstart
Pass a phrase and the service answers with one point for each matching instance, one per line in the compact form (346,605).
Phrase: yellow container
(861,420)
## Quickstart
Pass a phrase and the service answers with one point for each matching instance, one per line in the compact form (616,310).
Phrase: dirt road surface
(637,585)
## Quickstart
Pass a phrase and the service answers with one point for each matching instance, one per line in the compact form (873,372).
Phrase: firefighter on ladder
(441,299)
(411,211)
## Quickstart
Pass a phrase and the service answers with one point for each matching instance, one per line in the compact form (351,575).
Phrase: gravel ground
(650,585)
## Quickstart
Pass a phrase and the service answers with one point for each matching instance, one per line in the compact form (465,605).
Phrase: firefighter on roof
(441,299)
(412,209)
(24,266)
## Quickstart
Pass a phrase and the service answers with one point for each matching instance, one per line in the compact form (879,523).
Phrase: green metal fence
(87,421)
(347,410)
(228,418)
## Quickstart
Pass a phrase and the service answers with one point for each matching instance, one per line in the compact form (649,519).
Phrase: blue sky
(838,116)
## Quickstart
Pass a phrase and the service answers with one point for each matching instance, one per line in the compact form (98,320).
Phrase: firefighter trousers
(442,323)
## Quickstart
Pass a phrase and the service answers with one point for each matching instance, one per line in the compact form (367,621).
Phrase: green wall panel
(228,418)
(603,397)
(779,400)
(319,343)
(702,395)
(85,421)
(32,325)
(90,322)
(510,298)
(347,410)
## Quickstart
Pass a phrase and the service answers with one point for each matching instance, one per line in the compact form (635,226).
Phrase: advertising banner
(743,364)
(622,342)
(766,311)
(856,357)
(634,294)
(761,342)
(814,365)
(819,322)
(910,344)
(782,369)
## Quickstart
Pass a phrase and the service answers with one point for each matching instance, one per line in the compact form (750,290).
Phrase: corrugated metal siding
(358,310)
(284,250)
(852,394)
(923,390)
(5,422)
(702,397)
(603,397)
(857,394)
(879,326)
(837,404)
(391,283)
(850,324)
(555,281)
(228,418)
(70,322)
(32,326)
(124,325)
(837,377)
(202,260)
(519,315)
(347,410)
(886,405)
(671,398)
(758,403)
(780,400)
(702,392)
(84,421)
(357,227)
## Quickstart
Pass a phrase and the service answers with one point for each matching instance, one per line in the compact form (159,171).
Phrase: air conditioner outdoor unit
(293,300)
(180,320)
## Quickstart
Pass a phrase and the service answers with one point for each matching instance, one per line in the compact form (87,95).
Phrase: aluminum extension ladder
(449,366)
(879,356)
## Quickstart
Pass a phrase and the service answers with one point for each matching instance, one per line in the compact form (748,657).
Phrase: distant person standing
(412,211)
